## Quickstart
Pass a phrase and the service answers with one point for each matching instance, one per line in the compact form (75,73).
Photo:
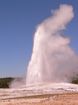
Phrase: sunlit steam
(52,58)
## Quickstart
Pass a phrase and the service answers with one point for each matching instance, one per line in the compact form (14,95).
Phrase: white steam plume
(52,58)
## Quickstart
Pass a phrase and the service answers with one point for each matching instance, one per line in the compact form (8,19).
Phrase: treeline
(5,82)
(75,80)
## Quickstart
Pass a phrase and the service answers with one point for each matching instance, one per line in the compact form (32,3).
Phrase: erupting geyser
(52,58)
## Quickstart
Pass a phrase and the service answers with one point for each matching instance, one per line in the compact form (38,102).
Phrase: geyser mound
(52,58)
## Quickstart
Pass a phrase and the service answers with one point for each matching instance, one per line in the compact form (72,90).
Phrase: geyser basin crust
(54,94)
(56,99)
(53,88)
(52,58)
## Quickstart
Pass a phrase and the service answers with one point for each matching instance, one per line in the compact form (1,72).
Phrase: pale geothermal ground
(48,94)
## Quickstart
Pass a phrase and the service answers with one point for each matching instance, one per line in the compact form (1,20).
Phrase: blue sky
(18,21)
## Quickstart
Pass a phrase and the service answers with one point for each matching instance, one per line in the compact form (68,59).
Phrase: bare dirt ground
(53,99)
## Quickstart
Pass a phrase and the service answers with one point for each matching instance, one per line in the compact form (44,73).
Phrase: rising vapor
(52,58)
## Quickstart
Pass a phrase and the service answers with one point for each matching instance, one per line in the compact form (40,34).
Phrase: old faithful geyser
(52,58)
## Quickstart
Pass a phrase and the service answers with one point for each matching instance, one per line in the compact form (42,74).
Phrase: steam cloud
(52,58)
